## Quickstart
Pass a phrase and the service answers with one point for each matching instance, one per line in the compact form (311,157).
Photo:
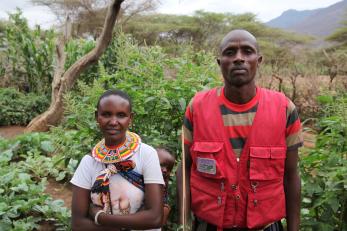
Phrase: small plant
(17,108)
(23,203)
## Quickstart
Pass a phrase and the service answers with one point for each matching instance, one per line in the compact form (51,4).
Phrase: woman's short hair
(117,92)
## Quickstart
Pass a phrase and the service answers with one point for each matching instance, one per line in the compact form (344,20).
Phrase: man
(241,148)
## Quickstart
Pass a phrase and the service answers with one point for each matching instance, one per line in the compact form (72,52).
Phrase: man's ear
(260,59)
(218,61)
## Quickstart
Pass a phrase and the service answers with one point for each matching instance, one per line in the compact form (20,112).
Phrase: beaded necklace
(108,155)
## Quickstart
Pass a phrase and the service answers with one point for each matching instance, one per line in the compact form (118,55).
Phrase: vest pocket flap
(208,147)
(260,152)
(278,153)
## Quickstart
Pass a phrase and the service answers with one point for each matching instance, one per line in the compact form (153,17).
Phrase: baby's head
(167,161)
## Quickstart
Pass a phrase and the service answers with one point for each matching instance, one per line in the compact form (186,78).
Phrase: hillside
(319,22)
(290,17)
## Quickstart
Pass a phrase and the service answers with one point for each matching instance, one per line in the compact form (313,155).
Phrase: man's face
(239,59)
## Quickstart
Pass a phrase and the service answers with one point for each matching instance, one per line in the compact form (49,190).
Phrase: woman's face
(114,117)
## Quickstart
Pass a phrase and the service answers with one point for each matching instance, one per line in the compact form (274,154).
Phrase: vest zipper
(236,201)
(219,199)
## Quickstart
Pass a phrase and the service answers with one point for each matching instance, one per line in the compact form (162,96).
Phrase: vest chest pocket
(207,157)
(266,163)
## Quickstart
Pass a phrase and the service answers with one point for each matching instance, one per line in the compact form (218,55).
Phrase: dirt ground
(60,191)
(11,131)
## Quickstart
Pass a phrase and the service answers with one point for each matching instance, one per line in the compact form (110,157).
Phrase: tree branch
(103,41)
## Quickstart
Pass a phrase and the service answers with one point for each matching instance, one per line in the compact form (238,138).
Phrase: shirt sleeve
(188,124)
(294,138)
(83,175)
(151,167)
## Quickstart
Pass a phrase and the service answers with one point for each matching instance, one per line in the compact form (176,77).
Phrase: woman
(118,186)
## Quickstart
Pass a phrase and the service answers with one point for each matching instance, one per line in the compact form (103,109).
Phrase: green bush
(17,108)
(160,87)
(24,167)
(74,50)
(324,170)
(27,55)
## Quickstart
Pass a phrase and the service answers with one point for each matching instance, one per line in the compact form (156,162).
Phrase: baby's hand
(124,206)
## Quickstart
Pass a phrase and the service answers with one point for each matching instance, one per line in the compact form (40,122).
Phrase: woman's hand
(150,217)
(93,209)
(83,212)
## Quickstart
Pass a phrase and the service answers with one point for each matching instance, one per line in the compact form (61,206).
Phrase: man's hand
(292,189)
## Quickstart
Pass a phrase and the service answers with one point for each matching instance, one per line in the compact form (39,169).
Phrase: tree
(81,11)
(340,35)
(63,81)
(336,56)
(203,30)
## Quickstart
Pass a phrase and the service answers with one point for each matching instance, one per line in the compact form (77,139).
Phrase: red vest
(248,192)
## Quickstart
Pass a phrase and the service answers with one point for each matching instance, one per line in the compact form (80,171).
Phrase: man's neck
(240,95)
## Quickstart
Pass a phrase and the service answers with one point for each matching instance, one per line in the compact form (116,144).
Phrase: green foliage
(17,108)
(340,35)
(75,49)
(160,87)
(203,30)
(324,171)
(27,55)
(23,203)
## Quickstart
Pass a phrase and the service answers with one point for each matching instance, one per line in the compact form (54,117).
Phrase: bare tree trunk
(280,81)
(293,79)
(64,81)
(332,74)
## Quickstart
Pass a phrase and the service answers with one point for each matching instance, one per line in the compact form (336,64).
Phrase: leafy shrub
(324,170)
(23,203)
(27,55)
(160,87)
(75,49)
(17,108)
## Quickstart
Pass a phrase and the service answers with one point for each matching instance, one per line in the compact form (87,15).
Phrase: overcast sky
(264,9)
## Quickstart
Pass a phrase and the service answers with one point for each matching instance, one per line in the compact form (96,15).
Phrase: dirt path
(11,131)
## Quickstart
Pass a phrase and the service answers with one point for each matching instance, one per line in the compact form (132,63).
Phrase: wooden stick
(184,206)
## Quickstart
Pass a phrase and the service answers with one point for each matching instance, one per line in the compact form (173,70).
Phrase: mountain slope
(290,17)
(319,22)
